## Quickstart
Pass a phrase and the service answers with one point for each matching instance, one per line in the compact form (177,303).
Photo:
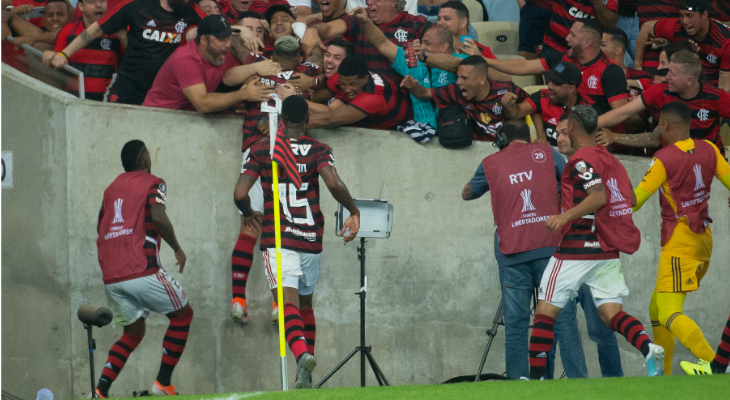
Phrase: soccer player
(708,104)
(694,23)
(560,96)
(596,202)
(132,221)
(475,92)
(683,170)
(302,225)
(717,366)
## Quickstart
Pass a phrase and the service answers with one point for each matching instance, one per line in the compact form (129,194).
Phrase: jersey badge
(592,82)
(180,26)
(538,156)
(699,183)
(118,211)
(703,115)
(711,58)
(613,189)
(553,121)
(497,109)
(485,118)
(152,23)
(106,44)
(527,200)
(401,35)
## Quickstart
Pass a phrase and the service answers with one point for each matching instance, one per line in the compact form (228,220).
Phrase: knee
(184,315)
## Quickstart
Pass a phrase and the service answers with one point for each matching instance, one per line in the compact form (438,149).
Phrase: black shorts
(124,91)
(534,22)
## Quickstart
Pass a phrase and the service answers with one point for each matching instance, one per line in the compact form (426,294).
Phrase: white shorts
(298,270)
(256,194)
(562,279)
(134,299)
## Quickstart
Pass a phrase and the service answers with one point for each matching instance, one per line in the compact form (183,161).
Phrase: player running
(132,220)
(302,225)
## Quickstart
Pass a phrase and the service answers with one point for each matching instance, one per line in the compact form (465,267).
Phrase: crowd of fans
(382,67)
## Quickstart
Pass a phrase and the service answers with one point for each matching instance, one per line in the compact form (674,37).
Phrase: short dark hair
(345,44)
(57,1)
(294,109)
(516,129)
(591,25)
(461,10)
(477,62)
(679,111)
(674,47)
(618,36)
(250,14)
(586,116)
(130,154)
(353,65)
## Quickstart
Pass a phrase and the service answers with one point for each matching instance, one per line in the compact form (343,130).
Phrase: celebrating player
(132,220)
(302,225)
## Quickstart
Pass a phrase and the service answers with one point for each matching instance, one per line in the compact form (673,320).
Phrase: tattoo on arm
(647,139)
(85,37)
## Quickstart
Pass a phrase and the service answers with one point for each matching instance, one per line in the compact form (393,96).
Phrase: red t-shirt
(183,69)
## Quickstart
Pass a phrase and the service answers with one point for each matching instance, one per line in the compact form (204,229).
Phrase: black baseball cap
(694,5)
(278,8)
(216,25)
(564,72)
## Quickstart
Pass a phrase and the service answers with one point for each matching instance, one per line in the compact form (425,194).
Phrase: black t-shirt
(154,34)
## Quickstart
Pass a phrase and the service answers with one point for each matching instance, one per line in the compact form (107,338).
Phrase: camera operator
(520,172)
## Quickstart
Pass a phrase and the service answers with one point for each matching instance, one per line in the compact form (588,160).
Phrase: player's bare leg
(173,346)
(542,337)
(613,315)
(119,354)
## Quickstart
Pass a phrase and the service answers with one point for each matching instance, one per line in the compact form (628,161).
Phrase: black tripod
(93,316)
(365,350)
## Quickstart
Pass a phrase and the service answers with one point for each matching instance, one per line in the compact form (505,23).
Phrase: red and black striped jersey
(550,113)
(258,112)
(302,222)
(128,243)
(98,60)
(403,29)
(384,103)
(487,112)
(714,50)
(228,11)
(565,12)
(720,10)
(580,238)
(708,107)
(154,34)
(644,78)
(652,10)
(603,80)
(544,4)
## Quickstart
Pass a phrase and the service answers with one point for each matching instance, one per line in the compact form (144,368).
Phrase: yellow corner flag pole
(277,236)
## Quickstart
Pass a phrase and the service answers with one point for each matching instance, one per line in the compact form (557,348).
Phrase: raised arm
(238,75)
(605,16)
(205,102)
(332,29)
(516,67)
(645,34)
(375,35)
(87,36)
(621,114)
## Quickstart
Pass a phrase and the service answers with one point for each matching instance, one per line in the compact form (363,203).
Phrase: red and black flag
(284,156)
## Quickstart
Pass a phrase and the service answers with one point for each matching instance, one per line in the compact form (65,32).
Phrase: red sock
(118,356)
(241,261)
(541,341)
(632,330)
(294,327)
(173,345)
(310,328)
(722,356)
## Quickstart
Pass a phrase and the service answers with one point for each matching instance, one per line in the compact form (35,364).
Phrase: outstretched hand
(409,82)
(605,137)
(360,14)
(353,223)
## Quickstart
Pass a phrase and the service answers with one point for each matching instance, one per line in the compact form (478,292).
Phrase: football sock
(632,330)
(310,328)
(294,328)
(241,261)
(118,355)
(173,345)
(541,341)
(670,307)
(661,336)
(720,363)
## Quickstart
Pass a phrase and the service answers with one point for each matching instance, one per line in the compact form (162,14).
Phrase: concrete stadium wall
(433,285)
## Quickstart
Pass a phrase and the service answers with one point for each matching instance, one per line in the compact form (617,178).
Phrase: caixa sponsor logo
(163,37)
(578,14)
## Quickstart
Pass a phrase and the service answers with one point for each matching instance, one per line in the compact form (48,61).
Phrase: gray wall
(433,285)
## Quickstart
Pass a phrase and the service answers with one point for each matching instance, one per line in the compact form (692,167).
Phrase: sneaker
(305,366)
(159,390)
(239,312)
(701,368)
(655,360)
(275,315)
(98,395)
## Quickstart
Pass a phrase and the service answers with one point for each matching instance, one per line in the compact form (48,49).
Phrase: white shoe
(239,313)
(655,360)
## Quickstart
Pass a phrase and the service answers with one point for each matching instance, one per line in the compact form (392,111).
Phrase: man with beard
(603,81)
(694,23)
(156,27)
(399,27)
(189,78)
(551,103)
(100,59)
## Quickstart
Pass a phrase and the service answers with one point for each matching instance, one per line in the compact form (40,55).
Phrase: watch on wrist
(424,53)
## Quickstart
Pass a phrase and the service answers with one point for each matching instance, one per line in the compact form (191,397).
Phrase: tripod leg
(340,365)
(376,369)
(92,346)
(498,320)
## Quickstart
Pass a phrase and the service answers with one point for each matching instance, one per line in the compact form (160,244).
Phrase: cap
(216,25)
(694,5)
(278,8)
(564,72)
